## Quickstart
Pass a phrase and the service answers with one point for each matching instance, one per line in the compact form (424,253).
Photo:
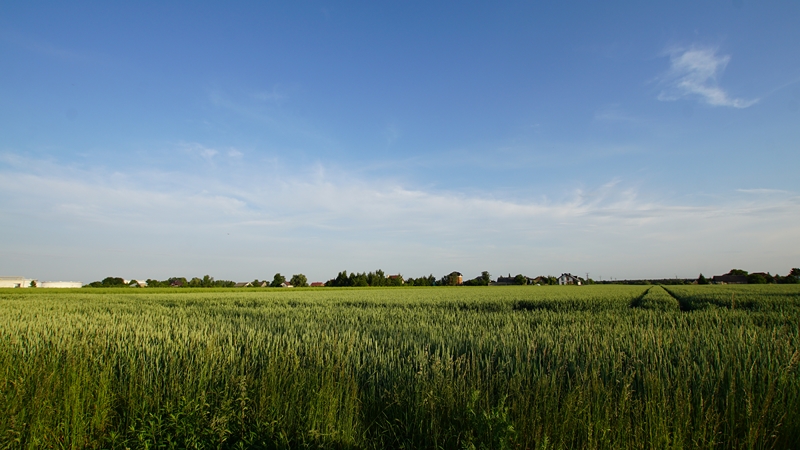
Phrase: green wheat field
(533,367)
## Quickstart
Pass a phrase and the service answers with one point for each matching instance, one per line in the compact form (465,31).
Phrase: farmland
(450,367)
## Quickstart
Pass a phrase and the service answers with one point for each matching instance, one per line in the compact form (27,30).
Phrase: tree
(113,282)
(702,280)
(358,280)
(756,278)
(738,272)
(520,279)
(299,280)
(486,278)
(277,280)
(792,278)
(430,280)
(376,279)
(341,280)
(33,283)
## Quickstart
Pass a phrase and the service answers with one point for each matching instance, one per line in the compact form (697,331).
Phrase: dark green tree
(794,276)
(702,280)
(358,280)
(378,278)
(299,280)
(430,280)
(341,280)
(113,282)
(756,278)
(277,280)
(155,283)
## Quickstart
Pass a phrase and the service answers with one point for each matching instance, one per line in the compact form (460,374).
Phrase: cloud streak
(694,72)
(321,221)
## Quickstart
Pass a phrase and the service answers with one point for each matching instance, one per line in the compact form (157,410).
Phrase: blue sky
(622,139)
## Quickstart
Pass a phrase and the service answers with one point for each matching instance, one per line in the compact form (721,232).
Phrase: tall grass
(516,367)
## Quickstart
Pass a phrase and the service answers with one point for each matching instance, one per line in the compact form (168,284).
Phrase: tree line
(793,277)
(379,278)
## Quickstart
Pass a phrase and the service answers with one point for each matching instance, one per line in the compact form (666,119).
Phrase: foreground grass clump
(495,367)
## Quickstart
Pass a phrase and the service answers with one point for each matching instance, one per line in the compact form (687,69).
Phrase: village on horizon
(379,279)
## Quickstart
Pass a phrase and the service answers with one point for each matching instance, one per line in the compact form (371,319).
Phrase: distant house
(243,284)
(286,285)
(766,276)
(61,284)
(509,281)
(20,282)
(137,283)
(729,279)
(16,282)
(538,280)
(568,278)
(396,277)
(504,281)
(318,284)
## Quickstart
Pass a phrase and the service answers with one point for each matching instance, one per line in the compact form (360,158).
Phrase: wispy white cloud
(199,150)
(275,95)
(694,72)
(322,220)
(762,191)
(206,153)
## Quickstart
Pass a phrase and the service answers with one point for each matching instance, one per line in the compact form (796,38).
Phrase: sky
(242,139)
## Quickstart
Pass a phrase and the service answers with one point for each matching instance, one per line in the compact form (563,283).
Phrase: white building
(61,284)
(16,282)
(568,278)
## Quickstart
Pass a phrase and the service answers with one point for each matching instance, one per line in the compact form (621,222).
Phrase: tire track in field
(637,302)
(685,305)
(657,298)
